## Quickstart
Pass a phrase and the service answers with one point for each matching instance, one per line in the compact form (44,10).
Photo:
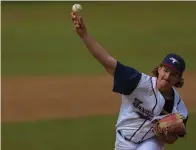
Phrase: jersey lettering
(137,104)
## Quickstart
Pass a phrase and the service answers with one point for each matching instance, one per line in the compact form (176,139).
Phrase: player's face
(167,77)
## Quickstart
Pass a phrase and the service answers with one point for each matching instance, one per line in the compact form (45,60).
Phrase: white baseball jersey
(141,103)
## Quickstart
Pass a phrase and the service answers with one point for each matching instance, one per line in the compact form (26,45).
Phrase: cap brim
(170,66)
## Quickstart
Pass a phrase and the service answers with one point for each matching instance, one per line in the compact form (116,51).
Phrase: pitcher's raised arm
(93,46)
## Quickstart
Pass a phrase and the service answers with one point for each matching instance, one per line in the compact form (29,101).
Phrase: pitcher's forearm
(99,52)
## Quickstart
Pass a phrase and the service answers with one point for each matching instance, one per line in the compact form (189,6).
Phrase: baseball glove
(171,124)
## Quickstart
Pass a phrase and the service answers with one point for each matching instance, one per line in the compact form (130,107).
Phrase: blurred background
(56,96)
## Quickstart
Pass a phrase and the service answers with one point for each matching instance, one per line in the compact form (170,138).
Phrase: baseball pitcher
(152,112)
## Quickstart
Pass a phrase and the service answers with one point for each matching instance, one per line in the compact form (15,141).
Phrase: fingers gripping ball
(76,8)
(170,124)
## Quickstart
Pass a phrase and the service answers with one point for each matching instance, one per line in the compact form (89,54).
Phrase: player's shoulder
(176,93)
(147,80)
(178,97)
(146,76)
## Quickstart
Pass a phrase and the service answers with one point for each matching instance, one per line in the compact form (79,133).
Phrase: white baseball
(76,7)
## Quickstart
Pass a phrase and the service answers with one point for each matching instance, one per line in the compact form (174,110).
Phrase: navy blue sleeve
(126,79)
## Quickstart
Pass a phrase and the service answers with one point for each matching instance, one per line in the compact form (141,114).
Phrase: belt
(127,138)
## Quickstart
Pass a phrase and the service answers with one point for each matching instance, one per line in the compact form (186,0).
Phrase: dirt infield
(38,98)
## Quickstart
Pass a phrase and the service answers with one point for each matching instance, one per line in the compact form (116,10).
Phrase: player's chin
(165,84)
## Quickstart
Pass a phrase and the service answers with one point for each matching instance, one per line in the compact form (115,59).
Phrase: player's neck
(168,95)
(166,92)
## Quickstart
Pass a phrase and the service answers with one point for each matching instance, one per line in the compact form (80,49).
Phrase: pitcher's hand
(78,25)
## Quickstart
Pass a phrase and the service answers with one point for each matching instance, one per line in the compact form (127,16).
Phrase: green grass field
(38,39)
(82,133)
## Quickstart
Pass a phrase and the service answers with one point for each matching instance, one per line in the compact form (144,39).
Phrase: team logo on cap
(173,60)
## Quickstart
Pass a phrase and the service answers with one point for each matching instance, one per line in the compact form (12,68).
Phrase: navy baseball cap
(175,62)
